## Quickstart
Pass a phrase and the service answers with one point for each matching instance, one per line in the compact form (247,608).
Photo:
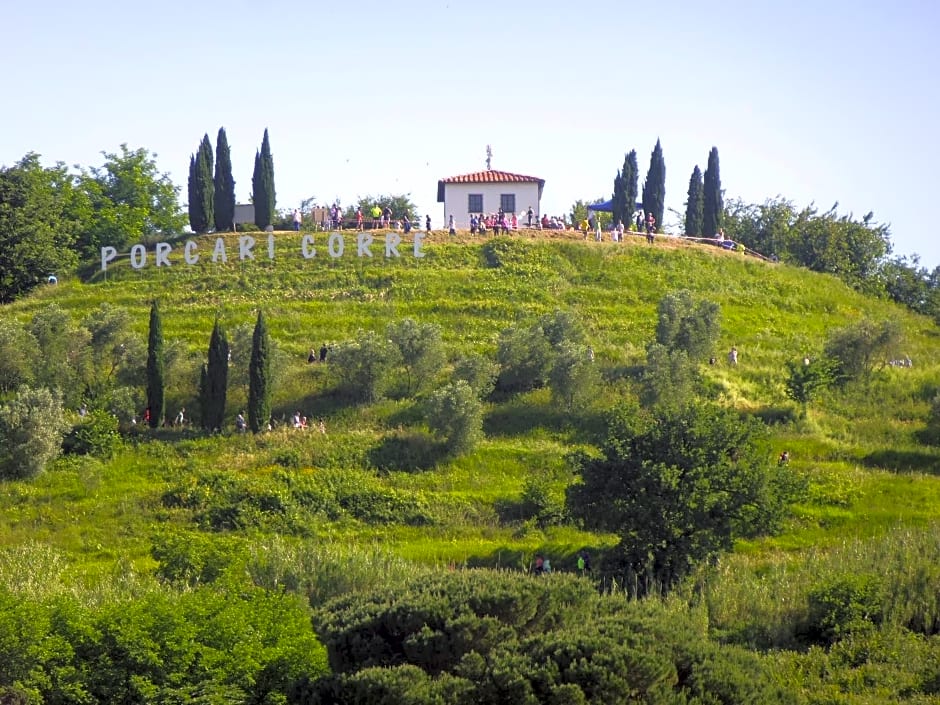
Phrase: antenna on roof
(489,156)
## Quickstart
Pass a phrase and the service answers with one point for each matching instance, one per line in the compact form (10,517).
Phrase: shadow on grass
(408,452)
(903,461)
(776,415)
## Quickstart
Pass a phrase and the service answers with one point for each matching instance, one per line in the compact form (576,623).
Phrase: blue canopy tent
(605,207)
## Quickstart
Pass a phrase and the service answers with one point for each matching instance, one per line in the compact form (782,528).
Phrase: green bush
(420,350)
(32,426)
(456,414)
(844,605)
(479,372)
(96,434)
(540,501)
(525,357)
(364,367)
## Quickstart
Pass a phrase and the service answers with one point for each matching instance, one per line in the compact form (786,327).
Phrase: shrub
(420,350)
(95,434)
(525,358)
(844,605)
(456,414)
(689,325)
(477,371)
(680,487)
(669,378)
(18,350)
(364,367)
(32,425)
(542,503)
(561,327)
(574,378)
(860,348)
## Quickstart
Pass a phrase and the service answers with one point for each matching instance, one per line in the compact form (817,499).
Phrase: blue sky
(817,101)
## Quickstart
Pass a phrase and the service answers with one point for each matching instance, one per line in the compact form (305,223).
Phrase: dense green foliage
(456,414)
(420,350)
(32,426)
(860,348)
(486,638)
(824,242)
(679,488)
(712,198)
(203,645)
(695,204)
(223,191)
(686,324)
(37,225)
(129,201)
(654,187)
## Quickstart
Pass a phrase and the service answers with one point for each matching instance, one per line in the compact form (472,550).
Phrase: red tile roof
(488,177)
(491,177)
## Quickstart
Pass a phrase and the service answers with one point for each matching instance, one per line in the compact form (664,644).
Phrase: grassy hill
(372,496)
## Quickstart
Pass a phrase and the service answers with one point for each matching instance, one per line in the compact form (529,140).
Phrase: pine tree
(713,206)
(259,377)
(215,381)
(262,184)
(654,188)
(693,207)
(224,185)
(630,175)
(156,402)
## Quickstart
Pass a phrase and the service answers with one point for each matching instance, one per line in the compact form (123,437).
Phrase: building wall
(456,199)
(244,213)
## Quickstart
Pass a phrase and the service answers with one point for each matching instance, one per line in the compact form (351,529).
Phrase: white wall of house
(456,199)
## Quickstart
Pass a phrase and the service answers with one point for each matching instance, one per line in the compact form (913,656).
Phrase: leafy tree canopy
(679,486)
(40,216)
(130,200)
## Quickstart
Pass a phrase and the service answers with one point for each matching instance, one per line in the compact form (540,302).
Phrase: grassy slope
(867,472)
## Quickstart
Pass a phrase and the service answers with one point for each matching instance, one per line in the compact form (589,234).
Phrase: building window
(507,201)
(475,203)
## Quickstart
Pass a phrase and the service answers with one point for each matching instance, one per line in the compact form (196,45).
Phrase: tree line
(212,193)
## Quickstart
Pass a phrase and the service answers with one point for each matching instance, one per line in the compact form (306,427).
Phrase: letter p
(108,253)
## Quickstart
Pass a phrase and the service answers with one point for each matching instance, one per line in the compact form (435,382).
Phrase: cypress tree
(618,202)
(156,382)
(693,207)
(262,184)
(654,188)
(259,377)
(713,206)
(195,215)
(215,381)
(200,188)
(224,185)
(257,192)
(630,175)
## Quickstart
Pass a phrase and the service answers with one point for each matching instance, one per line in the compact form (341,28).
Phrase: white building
(487,192)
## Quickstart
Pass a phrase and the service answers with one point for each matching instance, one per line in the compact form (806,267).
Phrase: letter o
(336,245)
(138,256)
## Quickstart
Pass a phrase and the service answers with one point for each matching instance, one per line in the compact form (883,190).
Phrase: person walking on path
(650,227)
